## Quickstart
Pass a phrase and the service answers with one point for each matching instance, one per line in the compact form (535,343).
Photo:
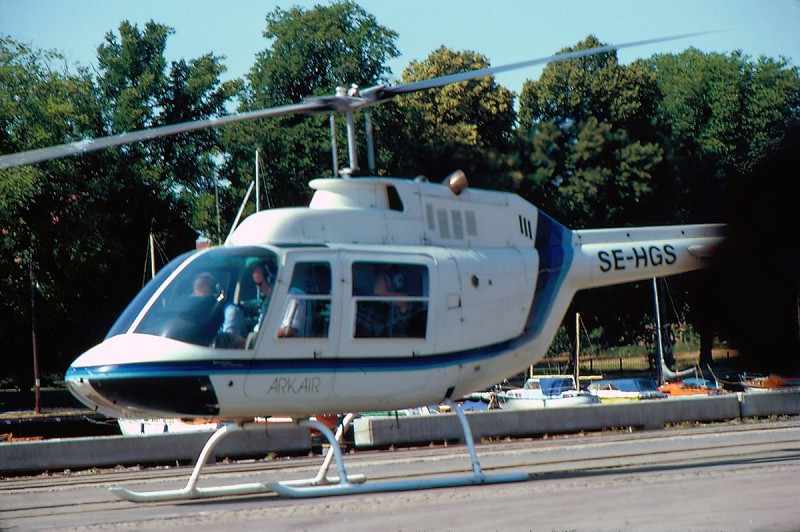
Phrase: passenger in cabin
(387,283)
(388,303)
(381,319)
(391,283)
(264,279)
(199,316)
(307,308)
(294,318)
(204,285)
(372,316)
(233,331)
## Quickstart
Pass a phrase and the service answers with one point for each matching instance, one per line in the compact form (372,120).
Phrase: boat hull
(514,403)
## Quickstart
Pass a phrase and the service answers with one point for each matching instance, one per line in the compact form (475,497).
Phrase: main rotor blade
(89,145)
(383,93)
(316,105)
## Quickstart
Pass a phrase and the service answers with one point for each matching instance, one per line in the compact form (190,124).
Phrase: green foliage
(725,107)
(314,51)
(309,52)
(670,139)
(589,174)
(81,224)
(720,116)
(47,212)
(464,125)
(594,86)
(661,140)
(133,74)
(583,145)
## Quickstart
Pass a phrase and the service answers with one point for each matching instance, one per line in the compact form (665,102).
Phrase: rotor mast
(352,148)
(347,101)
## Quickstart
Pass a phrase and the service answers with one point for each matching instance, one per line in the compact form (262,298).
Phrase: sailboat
(551,391)
(678,383)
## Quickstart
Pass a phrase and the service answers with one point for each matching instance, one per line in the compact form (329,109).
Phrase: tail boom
(606,257)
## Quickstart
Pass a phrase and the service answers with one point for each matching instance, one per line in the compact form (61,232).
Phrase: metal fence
(609,364)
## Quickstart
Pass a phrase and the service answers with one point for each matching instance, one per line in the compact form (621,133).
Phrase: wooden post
(576,369)
(36,381)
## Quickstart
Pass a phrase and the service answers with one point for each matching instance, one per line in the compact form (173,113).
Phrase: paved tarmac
(720,477)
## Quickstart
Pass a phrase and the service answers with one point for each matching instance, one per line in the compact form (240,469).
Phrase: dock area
(57,454)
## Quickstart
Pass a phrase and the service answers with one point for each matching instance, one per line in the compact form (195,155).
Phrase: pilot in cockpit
(242,321)
(264,279)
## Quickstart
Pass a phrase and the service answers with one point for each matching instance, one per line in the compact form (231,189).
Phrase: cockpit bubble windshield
(217,300)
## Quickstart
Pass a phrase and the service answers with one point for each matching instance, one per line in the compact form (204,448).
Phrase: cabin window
(391,300)
(395,203)
(307,311)
(215,299)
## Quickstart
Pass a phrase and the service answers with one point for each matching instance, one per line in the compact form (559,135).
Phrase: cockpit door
(303,318)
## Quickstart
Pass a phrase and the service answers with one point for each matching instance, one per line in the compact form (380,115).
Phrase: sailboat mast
(577,367)
(660,365)
(152,255)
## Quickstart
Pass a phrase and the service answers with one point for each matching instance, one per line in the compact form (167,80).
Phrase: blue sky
(506,31)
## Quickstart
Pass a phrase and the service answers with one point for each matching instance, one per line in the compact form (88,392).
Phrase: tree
(460,126)
(585,148)
(158,186)
(729,128)
(140,92)
(310,52)
(674,139)
(750,297)
(592,86)
(47,211)
(720,116)
(588,174)
(83,222)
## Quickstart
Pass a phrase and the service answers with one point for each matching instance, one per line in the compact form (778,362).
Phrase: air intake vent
(525,227)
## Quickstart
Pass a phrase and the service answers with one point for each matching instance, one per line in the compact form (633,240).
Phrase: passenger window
(391,300)
(308,303)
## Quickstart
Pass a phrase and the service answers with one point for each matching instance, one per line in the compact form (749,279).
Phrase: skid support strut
(192,491)
(346,487)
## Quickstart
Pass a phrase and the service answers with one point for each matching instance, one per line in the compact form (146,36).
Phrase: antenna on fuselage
(241,209)
(258,185)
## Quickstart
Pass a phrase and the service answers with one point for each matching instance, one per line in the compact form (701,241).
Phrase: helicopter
(373,297)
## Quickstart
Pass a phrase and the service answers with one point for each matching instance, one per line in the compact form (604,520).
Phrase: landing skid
(321,485)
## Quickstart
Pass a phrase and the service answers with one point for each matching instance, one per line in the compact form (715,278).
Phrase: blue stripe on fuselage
(290,365)
(554,245)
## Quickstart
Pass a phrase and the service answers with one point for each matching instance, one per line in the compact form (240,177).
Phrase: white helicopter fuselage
(479,283)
